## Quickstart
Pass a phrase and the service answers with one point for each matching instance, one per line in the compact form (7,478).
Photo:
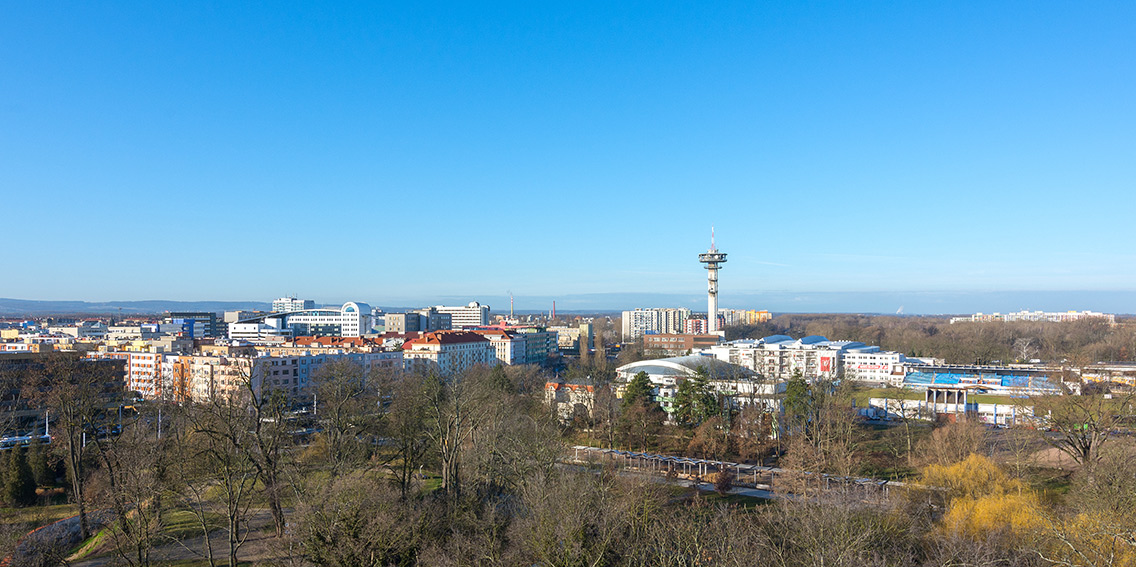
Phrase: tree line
(1078,342)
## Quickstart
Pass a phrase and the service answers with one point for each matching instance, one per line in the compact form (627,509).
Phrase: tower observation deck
(713,259)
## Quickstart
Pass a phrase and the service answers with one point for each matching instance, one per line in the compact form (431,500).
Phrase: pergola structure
(656,463)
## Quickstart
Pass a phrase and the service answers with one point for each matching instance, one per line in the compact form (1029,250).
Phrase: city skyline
(419,153)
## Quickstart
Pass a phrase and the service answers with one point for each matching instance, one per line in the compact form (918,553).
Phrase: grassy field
(37,515)
(862,396)
(183,524)
(993,399)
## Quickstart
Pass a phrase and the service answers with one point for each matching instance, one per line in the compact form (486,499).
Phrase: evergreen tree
(499,378)
(4,458)
(19,490)
(695,402)
(37,460)
(798,403)
(638,389)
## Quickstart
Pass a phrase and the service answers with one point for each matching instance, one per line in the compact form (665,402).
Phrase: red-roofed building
(570,399)
(448,352)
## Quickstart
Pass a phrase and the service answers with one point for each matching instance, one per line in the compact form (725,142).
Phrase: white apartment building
(213,376)
(1025,315)
(287,304)
(448,352)
(84,330)
(658,320)
(508,346)
(870,364)
(780,357)
(472,315)
(268,332)
(143,370)
(569,337)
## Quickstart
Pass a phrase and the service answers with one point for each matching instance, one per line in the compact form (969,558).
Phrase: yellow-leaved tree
(982,499)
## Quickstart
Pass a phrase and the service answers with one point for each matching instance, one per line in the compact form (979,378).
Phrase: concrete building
(448,352)
(678,344)
(780,357)
(541,345)
(699,326)
(466,317)
(230,317)
(871,365)
(428,319)
(580,339)
(83,330)
(269,331)
(194,323)
(569,399)
(289,304)
(1118,372)
(351,320)
(713,260)
(1024,315)
(245,372)
(744,317)
(650,321)
(509,346)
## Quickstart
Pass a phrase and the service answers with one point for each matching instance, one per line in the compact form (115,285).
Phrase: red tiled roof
(445,338)
(335,341)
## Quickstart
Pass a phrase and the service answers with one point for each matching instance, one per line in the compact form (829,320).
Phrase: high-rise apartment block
(649,321)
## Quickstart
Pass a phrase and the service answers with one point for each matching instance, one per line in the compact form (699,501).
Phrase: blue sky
(400,153)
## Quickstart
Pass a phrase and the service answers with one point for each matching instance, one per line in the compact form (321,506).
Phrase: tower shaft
(713,259)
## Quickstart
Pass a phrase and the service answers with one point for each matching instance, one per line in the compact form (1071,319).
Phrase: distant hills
(10,307)
(905,302)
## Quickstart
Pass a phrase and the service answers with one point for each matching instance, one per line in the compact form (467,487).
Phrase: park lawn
(37,515)
(1052,484)
(733,500)
(879,448)
(89,547)
(863,395)
(183,524)
(996,399)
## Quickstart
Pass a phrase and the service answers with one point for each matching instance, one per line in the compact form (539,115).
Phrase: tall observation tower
(713,260)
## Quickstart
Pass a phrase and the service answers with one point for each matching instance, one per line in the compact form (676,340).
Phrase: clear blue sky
(399,153)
